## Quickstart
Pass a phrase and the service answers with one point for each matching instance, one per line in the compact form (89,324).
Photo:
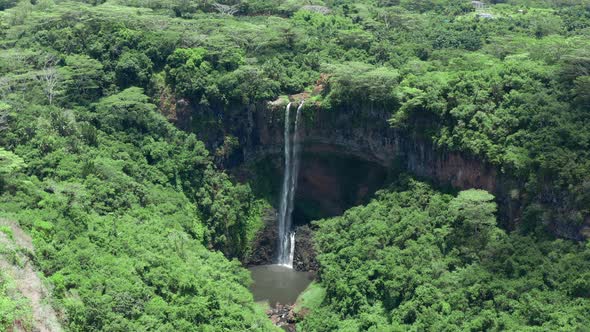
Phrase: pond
(278,284)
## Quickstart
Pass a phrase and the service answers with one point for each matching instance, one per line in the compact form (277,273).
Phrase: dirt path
(27,280)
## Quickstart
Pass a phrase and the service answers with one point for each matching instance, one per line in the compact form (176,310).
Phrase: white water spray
(291,249)
(292,149)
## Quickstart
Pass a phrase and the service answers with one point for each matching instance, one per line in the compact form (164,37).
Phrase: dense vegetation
(135,227)
(511,90)
(123,207)
(417,260)
(120,218)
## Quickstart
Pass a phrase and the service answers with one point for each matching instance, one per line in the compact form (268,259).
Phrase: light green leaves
(10,163)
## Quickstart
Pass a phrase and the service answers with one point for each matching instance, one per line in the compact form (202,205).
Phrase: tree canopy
(416,259)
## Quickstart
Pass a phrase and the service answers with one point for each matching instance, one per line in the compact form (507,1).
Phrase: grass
(264,305)
(311,298)
(7,230)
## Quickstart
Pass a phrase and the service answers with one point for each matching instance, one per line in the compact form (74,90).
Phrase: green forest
(136,223)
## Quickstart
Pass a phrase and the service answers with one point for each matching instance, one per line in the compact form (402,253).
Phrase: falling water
(291,249)
(285,191)
(292,149)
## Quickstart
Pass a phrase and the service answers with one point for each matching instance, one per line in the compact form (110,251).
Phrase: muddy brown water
(278,284)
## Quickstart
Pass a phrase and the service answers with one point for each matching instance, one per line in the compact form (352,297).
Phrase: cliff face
(367,136)
(362,142)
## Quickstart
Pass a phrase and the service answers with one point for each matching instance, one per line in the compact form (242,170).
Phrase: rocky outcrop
(305,254)
(265,244)
(283,316)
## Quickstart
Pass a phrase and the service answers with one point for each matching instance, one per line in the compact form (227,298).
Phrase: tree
(10,163)
(129,109)
(4,108)
(474,210)
(50,78)
(84,77)
(225,9)
(133,68)
(582,91)
(5,4)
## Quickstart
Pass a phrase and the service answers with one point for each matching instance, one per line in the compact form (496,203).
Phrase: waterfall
(286,238)
(284,191)
(291,249)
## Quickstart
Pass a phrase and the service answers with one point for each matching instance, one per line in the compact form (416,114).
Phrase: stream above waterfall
(278,284)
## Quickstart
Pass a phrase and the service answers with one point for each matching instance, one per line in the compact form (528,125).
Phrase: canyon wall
(361,134)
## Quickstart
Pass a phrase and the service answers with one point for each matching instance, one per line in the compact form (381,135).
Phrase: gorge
(361,137)
(347,154)
(258,165)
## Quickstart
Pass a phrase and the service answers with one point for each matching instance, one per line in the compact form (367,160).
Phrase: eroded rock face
(362,134)
(330,182)
(365,135)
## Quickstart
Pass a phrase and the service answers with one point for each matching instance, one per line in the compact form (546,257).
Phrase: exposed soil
(27,281)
